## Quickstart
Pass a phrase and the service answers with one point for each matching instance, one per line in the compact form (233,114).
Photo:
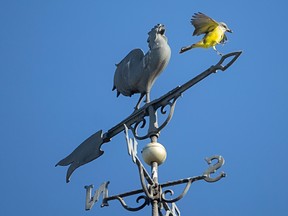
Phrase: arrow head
(234,56)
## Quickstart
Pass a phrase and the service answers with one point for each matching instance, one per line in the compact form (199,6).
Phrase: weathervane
(136,73)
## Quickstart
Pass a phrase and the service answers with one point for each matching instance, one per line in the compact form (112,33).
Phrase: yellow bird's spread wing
(203,24)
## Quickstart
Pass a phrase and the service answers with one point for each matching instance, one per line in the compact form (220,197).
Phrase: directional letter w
(90,201)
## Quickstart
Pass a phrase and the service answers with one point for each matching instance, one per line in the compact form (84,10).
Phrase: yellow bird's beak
(229,30)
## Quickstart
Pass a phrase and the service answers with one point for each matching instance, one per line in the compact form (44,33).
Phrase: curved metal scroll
(134,129)
(186,189)
(146,202)
(141,122)
(171,111)
(189,181)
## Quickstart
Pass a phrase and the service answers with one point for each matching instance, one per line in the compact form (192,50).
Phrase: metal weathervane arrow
(90,149)
(136,74)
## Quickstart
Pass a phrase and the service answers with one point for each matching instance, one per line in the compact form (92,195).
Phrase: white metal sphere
(154,152)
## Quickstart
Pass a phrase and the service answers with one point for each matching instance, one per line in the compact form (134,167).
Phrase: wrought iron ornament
(153,191)
(90,149)
(136,73)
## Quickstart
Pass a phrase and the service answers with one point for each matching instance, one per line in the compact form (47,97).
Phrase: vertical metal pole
(154,168)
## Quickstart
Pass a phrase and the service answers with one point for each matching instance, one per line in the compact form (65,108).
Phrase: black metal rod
(167,184)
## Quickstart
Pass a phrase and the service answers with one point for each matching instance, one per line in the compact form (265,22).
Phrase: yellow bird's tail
(198,44)
(184,49)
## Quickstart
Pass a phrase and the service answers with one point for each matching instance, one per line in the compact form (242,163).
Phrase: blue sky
(56,74)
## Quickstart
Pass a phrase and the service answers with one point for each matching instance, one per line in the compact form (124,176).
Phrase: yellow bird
(214,32)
